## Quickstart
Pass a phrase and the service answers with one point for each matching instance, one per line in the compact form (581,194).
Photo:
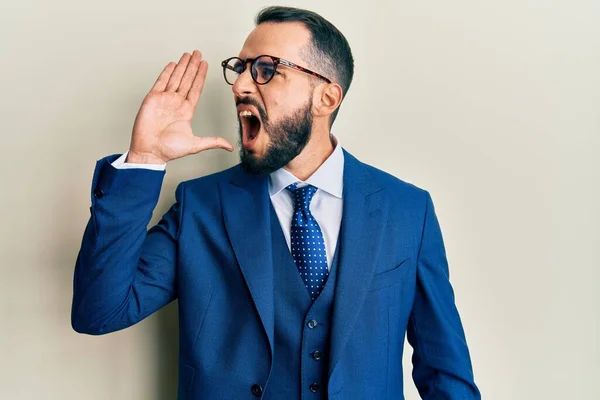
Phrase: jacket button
(257,390)
(98,193)
(314,387)
(312,323)
(317,355)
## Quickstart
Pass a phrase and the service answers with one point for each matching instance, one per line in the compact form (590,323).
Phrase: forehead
(285,40)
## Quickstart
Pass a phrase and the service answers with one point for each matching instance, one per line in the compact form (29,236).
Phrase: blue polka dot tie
(308,246)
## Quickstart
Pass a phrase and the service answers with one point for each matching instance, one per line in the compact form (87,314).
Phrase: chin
(250,161)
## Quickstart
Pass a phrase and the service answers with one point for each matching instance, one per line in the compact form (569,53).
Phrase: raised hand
(163,126)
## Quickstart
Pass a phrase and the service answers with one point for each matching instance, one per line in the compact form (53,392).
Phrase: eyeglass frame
(276,62)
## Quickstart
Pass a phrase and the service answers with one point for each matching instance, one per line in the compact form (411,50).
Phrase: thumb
(205,143)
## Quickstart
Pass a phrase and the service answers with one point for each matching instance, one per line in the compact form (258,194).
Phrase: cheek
(279,99)
(281,107)
(281,102)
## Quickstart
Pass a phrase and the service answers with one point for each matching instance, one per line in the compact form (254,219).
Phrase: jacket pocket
(390,277)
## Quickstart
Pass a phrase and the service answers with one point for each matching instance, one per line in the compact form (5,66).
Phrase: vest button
(98,193)
(317,355)
(312,323)
(314,387)
(257,390)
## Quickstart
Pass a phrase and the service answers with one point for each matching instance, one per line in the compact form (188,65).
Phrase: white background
(494,107)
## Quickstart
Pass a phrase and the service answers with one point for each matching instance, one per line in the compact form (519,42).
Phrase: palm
(163,122)
(163,129)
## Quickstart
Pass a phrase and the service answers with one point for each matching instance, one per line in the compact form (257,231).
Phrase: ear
(326,99)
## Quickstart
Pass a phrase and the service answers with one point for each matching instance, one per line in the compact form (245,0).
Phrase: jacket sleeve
(123,272)
(441,363)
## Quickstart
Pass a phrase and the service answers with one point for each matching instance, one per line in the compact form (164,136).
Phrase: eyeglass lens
(262,69)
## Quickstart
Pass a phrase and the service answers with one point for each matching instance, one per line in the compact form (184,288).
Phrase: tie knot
(302,196)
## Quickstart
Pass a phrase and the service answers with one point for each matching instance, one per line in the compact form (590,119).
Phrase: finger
(198,84)
(206,143)
(190,73)
(163,78)
(178,73)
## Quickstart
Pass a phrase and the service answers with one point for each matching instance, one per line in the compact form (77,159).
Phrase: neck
(317,150)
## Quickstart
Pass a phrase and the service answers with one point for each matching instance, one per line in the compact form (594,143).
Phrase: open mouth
(250,128)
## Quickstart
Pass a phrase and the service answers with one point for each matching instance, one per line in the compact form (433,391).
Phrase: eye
(236,66)
(265,71)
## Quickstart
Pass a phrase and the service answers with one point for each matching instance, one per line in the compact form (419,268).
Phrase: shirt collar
(328,177)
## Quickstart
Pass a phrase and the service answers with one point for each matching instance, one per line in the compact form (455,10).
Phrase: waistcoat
(302,327)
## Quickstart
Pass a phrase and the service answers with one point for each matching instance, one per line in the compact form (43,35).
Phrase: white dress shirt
(326,205)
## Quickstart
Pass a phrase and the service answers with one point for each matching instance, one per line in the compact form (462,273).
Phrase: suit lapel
(245,200)
(363,218)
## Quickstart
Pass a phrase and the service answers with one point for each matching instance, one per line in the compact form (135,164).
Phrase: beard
(288,137)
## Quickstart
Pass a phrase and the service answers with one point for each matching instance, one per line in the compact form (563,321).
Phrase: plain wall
(494,107)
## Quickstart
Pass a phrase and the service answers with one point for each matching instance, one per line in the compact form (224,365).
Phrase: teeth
(246,114)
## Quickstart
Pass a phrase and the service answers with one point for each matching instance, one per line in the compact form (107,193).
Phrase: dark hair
(328,51)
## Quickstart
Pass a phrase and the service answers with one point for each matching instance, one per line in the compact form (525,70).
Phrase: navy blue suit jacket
(212,251)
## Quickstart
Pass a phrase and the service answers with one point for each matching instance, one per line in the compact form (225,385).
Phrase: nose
(244,84)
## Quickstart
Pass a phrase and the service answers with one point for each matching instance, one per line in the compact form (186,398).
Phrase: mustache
(252,102)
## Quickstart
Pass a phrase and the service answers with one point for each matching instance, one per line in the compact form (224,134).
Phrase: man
(298,271)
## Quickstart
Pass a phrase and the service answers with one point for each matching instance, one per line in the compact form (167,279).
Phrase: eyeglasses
(262,69)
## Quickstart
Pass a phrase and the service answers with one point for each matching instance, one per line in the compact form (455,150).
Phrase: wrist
(143,158)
